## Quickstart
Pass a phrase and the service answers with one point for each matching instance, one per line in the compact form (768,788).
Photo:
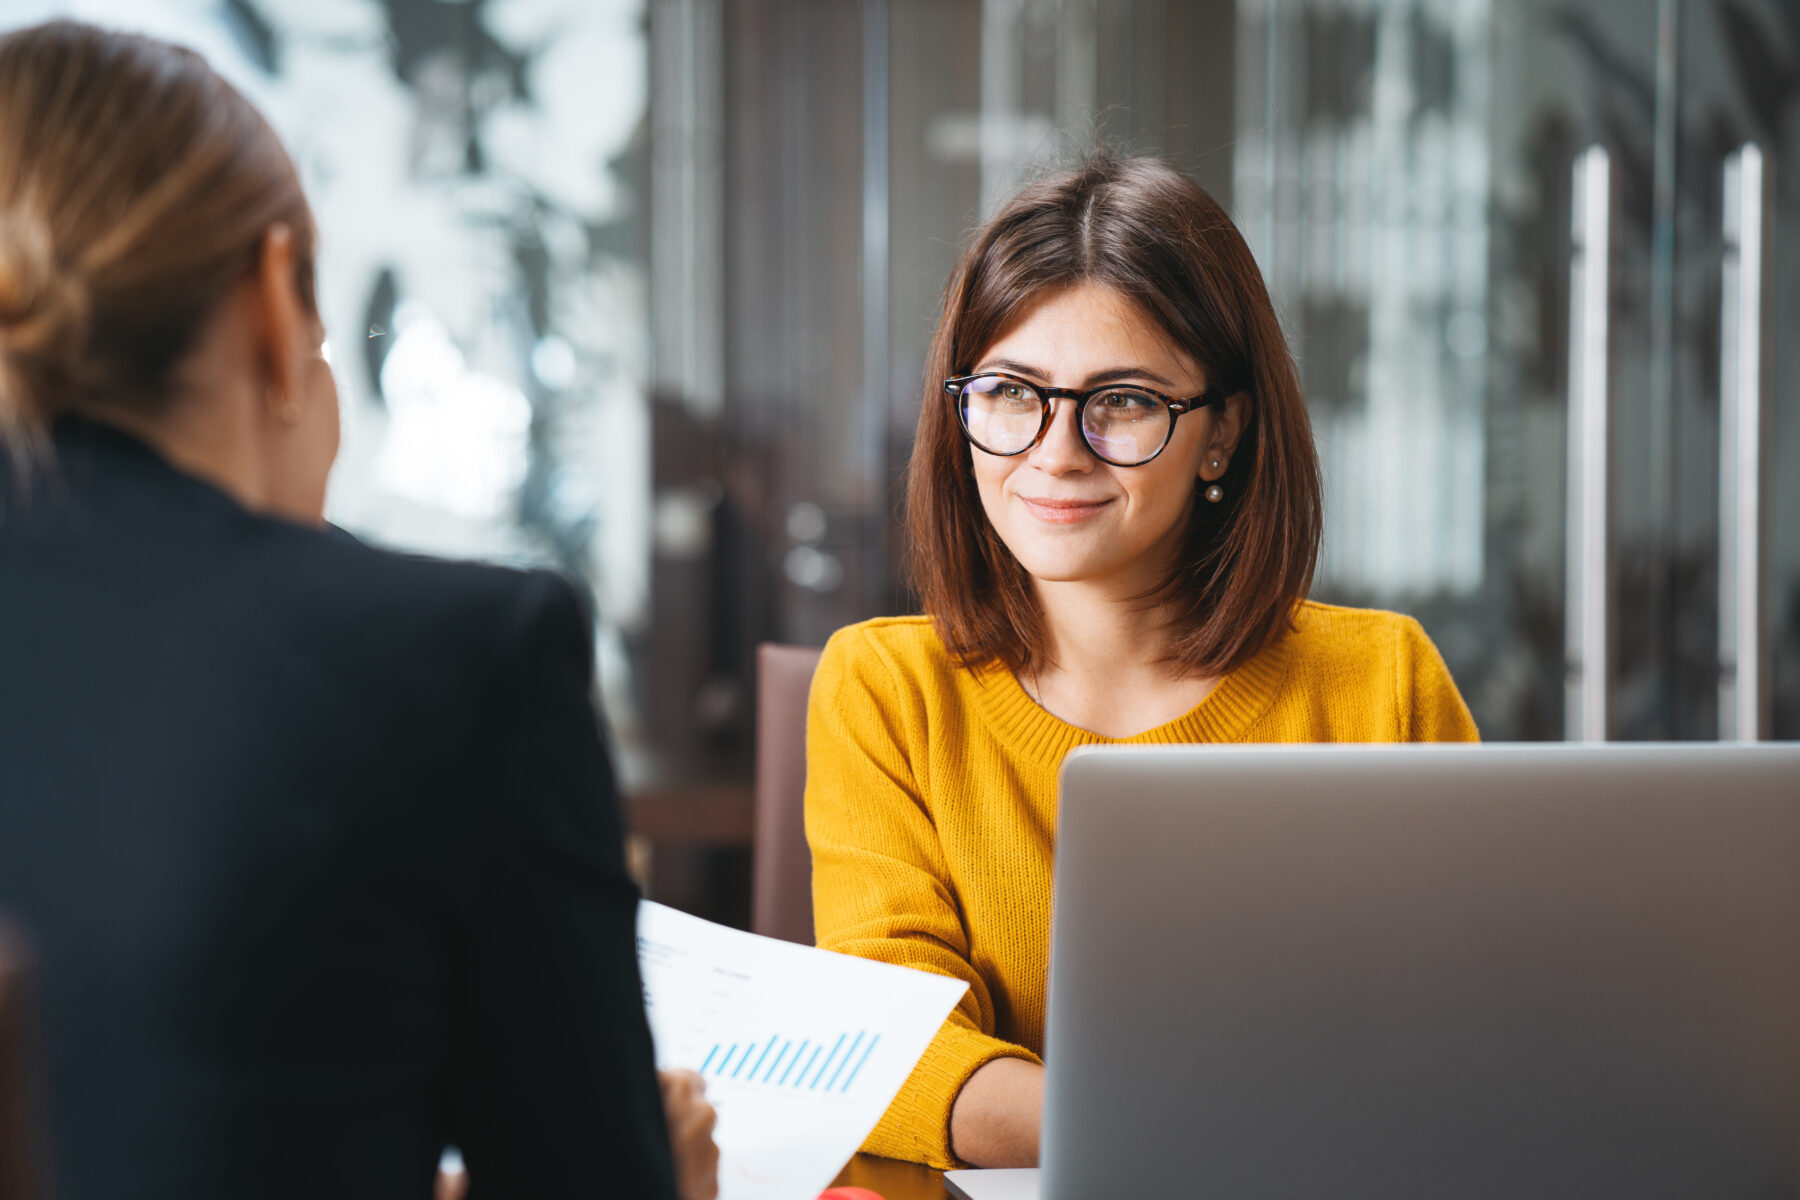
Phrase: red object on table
(850,1193)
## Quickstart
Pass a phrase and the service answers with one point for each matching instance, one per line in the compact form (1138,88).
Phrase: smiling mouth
(1063,512)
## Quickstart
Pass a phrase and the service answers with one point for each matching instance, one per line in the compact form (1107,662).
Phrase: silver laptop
(1551,971)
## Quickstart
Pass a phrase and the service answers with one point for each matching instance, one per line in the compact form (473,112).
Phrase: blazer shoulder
(375,580)
(424,625)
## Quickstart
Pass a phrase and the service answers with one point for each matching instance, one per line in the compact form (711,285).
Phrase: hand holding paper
(802,1050)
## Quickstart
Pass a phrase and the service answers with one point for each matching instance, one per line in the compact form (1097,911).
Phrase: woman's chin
(1102,561)
(1062,568)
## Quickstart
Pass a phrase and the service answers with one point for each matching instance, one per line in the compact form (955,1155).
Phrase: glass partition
(477,171)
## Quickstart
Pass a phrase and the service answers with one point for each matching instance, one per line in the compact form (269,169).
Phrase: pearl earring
(1215,493)
(283,407)
(1215,464)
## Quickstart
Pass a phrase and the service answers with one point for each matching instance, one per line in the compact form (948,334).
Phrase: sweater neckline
(1221,716)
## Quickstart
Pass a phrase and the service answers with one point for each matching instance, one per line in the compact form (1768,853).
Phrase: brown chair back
(21,1163)
(781,874)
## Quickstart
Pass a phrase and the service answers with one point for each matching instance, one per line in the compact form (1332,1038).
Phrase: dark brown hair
(135,189)
(1140,227)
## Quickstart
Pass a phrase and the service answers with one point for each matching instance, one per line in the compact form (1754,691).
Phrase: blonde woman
(318,844)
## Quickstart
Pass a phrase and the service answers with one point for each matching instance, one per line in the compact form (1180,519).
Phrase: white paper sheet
(802,1049)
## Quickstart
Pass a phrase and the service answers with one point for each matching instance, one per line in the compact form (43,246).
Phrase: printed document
(802,1049)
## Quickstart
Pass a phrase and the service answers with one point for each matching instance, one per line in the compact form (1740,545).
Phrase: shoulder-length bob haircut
(1140,227)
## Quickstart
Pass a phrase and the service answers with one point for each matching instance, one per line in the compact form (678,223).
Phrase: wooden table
(893,1179)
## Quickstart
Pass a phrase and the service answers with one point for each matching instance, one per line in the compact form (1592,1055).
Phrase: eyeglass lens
(1122,425)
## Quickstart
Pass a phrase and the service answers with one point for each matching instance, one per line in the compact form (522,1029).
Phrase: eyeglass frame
(1212,397)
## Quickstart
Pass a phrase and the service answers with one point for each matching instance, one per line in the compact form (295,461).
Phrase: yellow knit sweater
(931,809)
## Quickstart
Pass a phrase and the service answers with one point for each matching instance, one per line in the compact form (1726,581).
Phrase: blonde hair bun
(135,187)
(43,317)
(40,301)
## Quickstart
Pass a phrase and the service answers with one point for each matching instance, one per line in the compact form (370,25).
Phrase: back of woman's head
(1142,229)
(135,189)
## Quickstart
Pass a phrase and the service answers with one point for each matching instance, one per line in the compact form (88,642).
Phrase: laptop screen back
(1431,971)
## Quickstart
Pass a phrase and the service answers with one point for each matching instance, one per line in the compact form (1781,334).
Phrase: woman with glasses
(1114,513)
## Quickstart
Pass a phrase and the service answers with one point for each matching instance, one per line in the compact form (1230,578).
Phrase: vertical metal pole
(1585,629)
(1743,690)
(686,183)
(875,366)
(1658,599)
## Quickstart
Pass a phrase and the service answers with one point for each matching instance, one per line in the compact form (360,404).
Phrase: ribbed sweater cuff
(917,1125)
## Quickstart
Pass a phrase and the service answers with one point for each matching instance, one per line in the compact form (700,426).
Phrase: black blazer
(320,850)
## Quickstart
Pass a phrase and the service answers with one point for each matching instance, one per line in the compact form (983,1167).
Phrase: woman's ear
(1227,426)
(283,325)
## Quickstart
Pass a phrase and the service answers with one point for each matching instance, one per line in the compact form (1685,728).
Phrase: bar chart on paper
(801,1050)
(802,1064)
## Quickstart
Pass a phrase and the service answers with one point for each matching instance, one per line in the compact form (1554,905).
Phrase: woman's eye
(1013,391)
(1128,402)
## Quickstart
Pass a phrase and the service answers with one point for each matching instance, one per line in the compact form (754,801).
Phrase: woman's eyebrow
(1097,379)
(1012,366)
(1115,374)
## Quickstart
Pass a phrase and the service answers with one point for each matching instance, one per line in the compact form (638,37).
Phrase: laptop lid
(1426,971)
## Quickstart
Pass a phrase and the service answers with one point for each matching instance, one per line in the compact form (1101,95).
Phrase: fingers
(691,1121)
(684,1081)
(451,1185)
(699,1177)
(684,1102)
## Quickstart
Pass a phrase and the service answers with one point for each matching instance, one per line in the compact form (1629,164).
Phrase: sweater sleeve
(1432,710)
(881,886)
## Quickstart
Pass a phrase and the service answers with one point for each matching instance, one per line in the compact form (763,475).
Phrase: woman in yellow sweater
(1114,515)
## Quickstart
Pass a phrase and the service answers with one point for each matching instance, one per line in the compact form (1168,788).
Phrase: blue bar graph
(779,1062)
(770,1073)
(790,1066)
(763,1057)
(827,1062)
(848,1055)
(860,1062)
(748,1051)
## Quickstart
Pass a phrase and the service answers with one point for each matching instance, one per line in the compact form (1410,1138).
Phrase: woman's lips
(1063,512)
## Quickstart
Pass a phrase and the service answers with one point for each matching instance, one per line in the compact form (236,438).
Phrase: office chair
(21,1162)
(781,867)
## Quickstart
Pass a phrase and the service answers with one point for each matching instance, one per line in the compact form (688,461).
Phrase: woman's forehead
(1087,329)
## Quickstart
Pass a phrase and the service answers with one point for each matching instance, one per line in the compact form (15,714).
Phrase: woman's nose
(1062,449)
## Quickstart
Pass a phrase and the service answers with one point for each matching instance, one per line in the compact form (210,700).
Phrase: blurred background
(641,290)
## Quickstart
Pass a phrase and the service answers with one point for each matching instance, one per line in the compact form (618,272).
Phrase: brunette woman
(1114,513)
(318,844)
